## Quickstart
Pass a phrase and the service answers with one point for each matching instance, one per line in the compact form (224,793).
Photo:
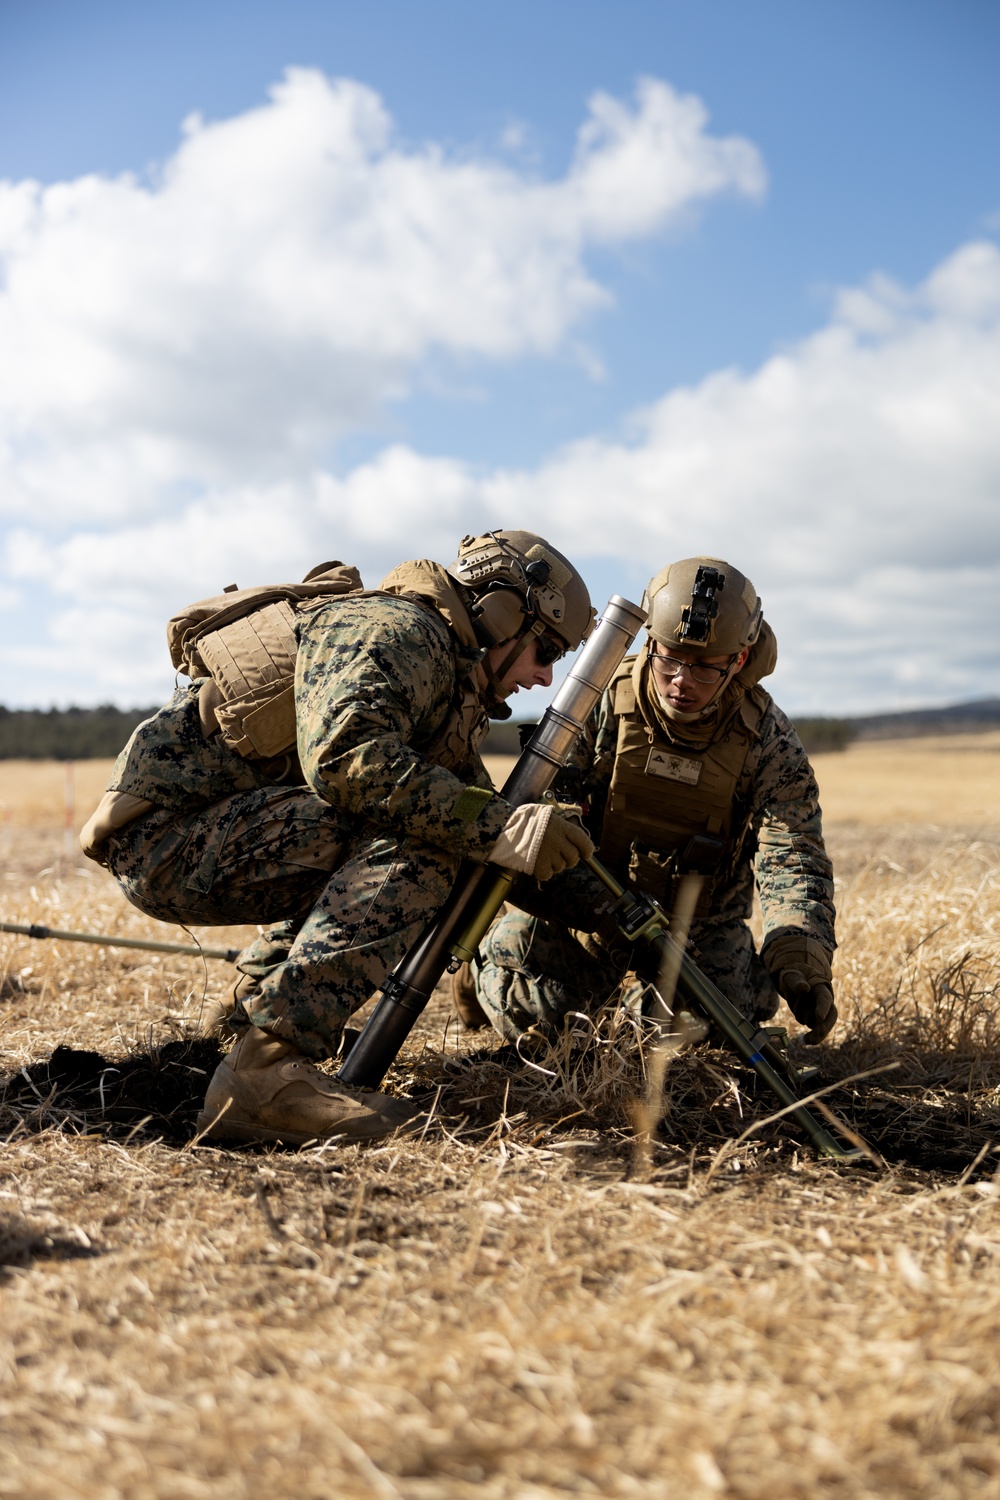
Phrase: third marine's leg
(533,972)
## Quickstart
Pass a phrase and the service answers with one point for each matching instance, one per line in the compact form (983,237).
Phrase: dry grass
(517,1305)
(949,780)
(33,793)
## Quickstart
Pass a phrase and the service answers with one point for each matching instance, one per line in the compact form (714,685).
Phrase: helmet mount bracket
(697,618)
(516,581)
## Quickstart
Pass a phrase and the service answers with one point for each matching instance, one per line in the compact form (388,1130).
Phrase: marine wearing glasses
(708,673)
(693,772)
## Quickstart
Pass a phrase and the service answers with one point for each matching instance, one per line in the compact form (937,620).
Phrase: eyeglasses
(702,671)
(548,650)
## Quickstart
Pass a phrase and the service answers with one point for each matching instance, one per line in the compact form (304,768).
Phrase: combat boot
(266,1091)
(466,1002)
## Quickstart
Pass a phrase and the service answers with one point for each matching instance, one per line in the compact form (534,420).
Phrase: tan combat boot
(266,1091)
(464,999)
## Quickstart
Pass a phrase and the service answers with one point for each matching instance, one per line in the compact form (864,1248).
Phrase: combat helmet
(703,602)
(522,587)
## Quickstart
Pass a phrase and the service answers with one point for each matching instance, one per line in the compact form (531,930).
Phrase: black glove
(800,967)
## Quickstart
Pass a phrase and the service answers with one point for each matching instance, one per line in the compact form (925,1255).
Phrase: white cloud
(176,358)
(280,281)
(254,533)
(631,170)
(855,476)
(854,447)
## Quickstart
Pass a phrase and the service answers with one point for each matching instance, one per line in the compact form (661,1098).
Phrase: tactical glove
(800,967)
(537,840)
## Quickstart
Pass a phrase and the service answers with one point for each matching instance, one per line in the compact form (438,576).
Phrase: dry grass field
(519,1304)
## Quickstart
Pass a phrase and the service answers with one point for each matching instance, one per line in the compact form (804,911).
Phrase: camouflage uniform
(354,849)
(534,968)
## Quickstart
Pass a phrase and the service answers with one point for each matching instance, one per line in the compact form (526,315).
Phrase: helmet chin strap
(519,645)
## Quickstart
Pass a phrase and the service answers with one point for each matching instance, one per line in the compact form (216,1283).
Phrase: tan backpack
(243,641)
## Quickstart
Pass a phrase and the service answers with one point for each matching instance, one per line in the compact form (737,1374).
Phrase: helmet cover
(703,602)
(520,582)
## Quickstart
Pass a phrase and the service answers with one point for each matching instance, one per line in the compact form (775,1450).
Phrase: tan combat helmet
(521,587)
(703,603)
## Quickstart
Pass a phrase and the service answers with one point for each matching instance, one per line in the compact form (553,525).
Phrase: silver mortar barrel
(479,890)
(564,720)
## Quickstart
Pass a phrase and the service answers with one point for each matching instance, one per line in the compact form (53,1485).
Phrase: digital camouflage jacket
(775,836)
(377,678)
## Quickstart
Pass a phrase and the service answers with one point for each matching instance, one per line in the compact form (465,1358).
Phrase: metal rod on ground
(479,890)
(33,930)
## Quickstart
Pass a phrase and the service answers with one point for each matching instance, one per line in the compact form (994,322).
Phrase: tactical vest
(244,643)
(671,808)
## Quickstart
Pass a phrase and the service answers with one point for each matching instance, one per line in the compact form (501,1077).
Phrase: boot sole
(211,1128)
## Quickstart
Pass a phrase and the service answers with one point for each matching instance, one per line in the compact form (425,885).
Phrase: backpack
(243,642)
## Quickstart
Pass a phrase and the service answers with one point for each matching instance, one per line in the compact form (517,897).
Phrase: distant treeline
(977,717)
(825,734)
(66,733)
(92,733)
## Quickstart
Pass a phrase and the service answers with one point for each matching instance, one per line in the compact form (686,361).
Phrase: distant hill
(958,718)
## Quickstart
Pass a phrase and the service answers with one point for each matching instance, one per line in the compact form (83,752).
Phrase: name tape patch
(673,767)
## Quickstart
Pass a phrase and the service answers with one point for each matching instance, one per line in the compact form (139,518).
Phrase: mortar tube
(479,890)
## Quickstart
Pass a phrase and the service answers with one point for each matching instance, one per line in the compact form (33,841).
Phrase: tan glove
(800,967)
(537,840)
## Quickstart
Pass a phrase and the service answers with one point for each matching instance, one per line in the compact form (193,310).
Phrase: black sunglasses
(548,650)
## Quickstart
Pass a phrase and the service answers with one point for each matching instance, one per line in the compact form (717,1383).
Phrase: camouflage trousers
(344,905)
(533,970)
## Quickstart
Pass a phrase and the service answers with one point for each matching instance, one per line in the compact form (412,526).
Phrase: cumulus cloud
(855,476)
(871,427)
(177,357)
(285,274)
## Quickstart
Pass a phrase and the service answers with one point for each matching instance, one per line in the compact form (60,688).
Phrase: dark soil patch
(937,1131)
(158,1094)
(22,1243)
(153,1094)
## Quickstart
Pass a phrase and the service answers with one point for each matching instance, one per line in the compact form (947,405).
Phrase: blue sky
(782,350)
